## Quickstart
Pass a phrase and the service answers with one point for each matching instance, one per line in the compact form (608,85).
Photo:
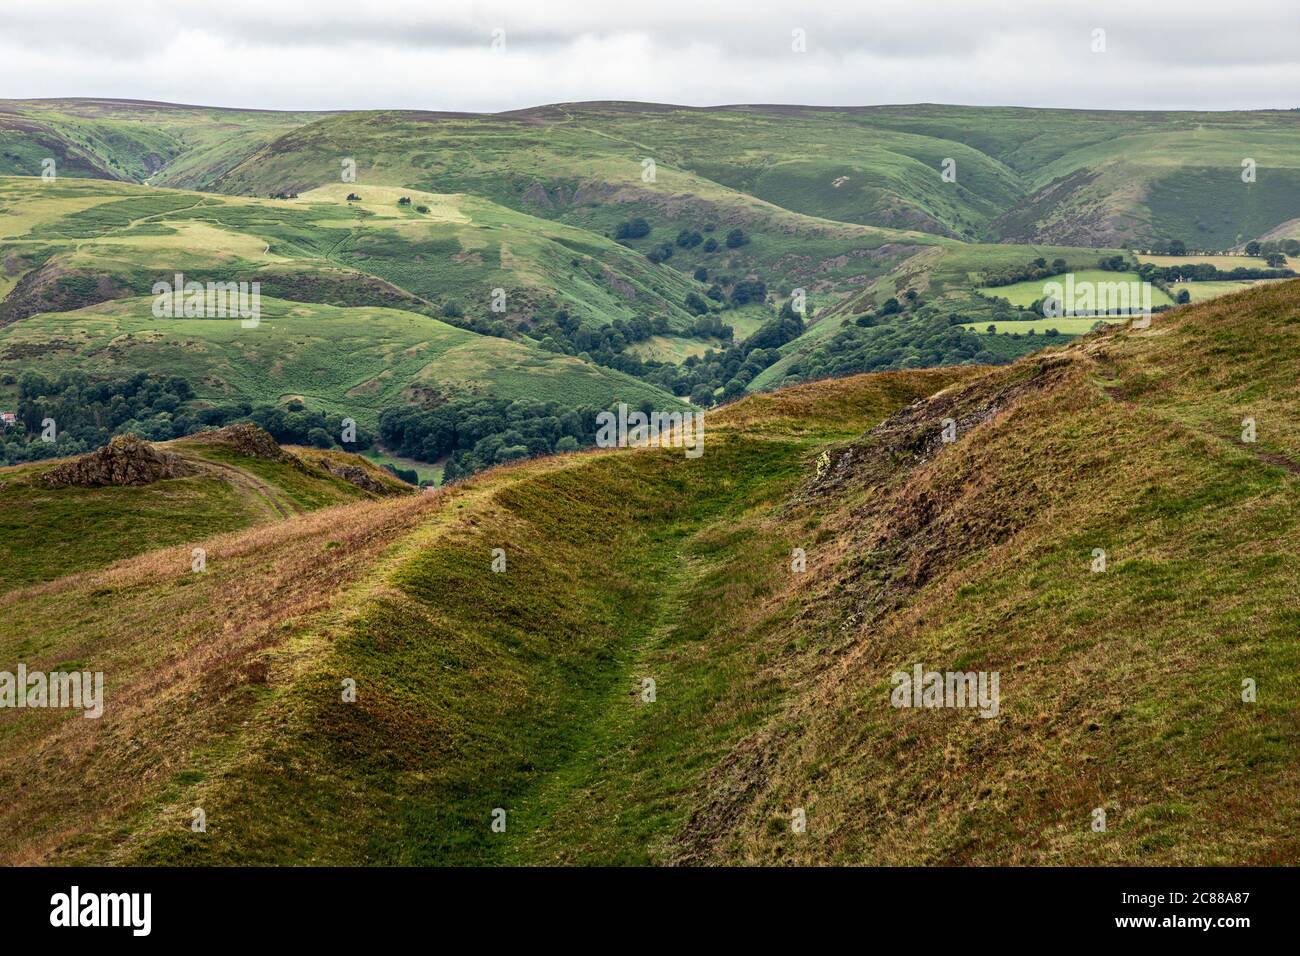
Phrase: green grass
(1204,291)
(425,471)
(1066,326)
(47,533)
(1024,294)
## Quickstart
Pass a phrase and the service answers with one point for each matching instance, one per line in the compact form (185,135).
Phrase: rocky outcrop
(248,440)
(126,460)
(356,475)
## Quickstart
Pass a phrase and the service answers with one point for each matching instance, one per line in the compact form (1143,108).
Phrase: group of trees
(916,341)
(638,228)
(1205,272)
(478,433)
(88,411)
(605,345)
(1268,249)
(732,368)
(1038,269)
(1274,252)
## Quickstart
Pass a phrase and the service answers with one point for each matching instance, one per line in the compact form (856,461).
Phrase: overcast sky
(433,54)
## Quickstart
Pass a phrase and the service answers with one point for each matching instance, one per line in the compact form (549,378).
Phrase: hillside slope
(1121,688)
(57,520)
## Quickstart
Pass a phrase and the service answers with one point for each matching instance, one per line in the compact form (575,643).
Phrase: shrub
(636,228)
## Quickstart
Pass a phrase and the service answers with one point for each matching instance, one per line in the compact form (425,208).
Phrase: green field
(1066,177)
(1203,291)
(1225,263)
(1025,294)
(535,263)
(1064,325)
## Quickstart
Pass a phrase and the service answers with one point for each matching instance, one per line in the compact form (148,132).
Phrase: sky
(508,54)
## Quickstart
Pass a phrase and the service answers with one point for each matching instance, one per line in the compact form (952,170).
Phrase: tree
(701,274)
(1252,248)
(736,238)
(1183,297)
(636,228)
(748,290)
(702,395)
(1177,247)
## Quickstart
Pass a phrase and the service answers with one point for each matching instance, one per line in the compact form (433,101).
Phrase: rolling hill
(217,481)
(578,255)
(1063,177)
(1121,685)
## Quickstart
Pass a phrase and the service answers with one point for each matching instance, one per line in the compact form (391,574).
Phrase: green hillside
(1069,177)
(346,361)
(1121,688)
(133,141)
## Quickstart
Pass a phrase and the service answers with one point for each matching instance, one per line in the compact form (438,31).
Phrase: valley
(369,586)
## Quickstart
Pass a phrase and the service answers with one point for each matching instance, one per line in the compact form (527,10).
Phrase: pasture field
(1226,263)
(1204,291)
(1024,294)
(427,471)
(1064,325)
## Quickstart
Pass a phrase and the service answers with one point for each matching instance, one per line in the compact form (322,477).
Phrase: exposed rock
(126,460)
(249,440)
(536,194)
(356,475)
